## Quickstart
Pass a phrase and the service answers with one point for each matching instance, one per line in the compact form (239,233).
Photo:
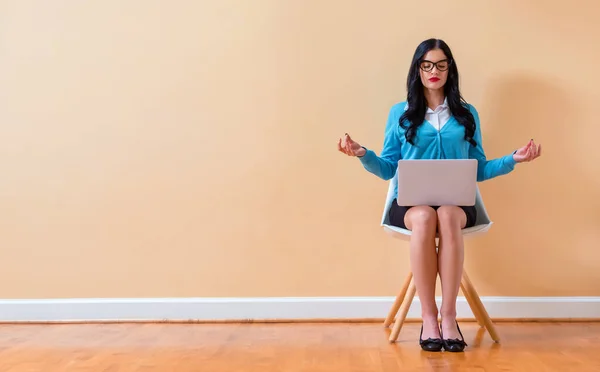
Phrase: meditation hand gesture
(349,147)
(528,152)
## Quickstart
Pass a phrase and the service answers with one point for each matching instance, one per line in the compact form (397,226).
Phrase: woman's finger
(340,145)
(348,149)
(531,145)
(533,153)
(343,147)
(528,153)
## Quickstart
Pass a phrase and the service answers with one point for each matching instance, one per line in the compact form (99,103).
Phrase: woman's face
(434,69)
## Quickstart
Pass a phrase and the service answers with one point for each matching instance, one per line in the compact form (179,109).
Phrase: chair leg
(480,308)
(472,304)
(403,311)
(399,300)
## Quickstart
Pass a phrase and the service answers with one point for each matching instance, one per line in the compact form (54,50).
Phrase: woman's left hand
(528,152)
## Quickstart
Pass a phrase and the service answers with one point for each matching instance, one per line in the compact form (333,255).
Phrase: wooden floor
(350,347)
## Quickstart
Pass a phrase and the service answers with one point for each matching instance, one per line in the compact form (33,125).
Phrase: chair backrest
(482,215)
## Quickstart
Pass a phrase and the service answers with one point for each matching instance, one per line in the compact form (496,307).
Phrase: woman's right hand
(349,147)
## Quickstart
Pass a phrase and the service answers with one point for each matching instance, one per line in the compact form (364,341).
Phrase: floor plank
(290,347)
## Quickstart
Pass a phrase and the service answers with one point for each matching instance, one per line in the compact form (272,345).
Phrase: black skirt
(398,212)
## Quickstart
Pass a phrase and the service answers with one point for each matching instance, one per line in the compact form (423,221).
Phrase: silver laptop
(437,182)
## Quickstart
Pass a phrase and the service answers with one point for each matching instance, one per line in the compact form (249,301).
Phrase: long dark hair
(417,105)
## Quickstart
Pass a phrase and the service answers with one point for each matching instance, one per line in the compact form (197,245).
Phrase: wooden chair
(408,290)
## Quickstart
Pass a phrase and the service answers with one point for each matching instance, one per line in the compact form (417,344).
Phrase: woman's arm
(385,166)
(487,169)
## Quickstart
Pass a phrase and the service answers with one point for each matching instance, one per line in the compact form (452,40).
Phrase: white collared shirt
(438,117)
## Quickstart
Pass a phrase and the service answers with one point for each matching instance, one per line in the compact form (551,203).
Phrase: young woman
(435,123)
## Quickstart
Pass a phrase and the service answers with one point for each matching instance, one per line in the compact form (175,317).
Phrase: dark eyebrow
(441,60)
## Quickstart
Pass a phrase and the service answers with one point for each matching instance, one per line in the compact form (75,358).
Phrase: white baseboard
(296,308)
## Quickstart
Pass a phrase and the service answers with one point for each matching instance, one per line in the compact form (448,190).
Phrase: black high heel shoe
(431,344)
(454,345)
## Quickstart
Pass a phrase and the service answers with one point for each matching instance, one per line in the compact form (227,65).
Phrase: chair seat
(405,234)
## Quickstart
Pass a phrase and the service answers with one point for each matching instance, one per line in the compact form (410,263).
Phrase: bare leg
(422,221)
(451,220)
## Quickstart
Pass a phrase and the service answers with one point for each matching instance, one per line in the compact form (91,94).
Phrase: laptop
(437,182)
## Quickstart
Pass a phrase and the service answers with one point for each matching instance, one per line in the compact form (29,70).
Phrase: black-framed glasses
(442,65)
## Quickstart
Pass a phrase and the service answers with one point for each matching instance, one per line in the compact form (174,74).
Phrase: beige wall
(188,148)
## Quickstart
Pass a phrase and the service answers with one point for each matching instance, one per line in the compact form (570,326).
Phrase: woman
(435,114)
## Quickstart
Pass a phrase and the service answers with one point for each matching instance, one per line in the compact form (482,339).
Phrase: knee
(423,218)
(450,216)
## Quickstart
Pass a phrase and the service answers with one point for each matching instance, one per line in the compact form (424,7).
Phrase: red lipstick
(434,79)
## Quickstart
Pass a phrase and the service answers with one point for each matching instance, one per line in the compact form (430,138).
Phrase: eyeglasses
(440,65)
